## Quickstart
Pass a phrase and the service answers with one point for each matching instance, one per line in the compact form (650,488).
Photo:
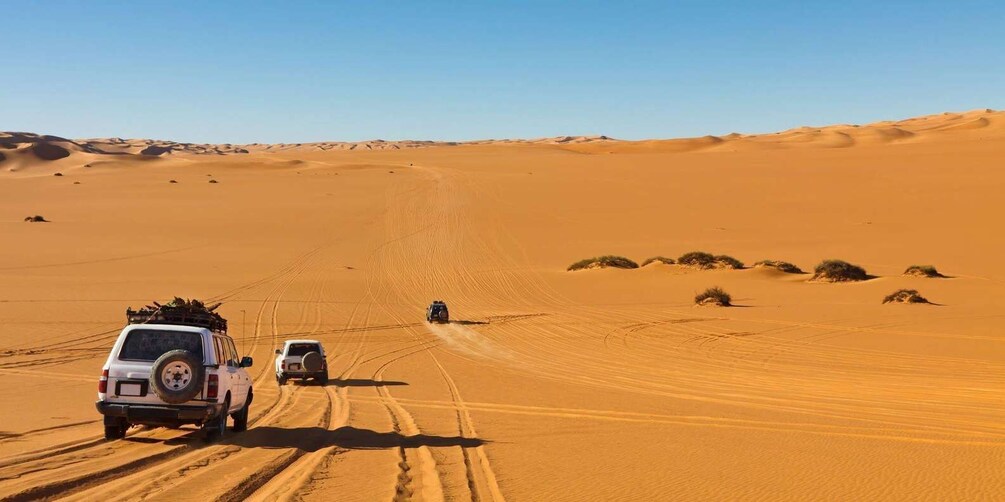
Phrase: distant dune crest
(21,150)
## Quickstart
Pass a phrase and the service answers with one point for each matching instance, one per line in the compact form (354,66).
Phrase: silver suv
(301,359)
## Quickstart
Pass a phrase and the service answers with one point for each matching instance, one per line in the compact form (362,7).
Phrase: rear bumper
(159,414)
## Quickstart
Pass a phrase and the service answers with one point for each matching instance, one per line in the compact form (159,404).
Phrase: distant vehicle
(437,312)
(171,365)
(301,359)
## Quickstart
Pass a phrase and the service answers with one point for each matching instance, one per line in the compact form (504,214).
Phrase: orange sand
(591,385)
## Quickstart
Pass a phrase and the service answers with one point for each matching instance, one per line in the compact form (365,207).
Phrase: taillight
(282,365)
(212,386)
(103,382)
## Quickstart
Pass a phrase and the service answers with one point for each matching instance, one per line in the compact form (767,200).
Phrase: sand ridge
(24,151)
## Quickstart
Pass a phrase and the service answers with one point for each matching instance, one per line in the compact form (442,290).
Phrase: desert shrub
(698,259)
(838,271)
(923,271)
(713,296)
(661,259)
(36,219)
(602,262)
(701,259)
(784,266)
(57,174)
(905,296)
(173,181)
(213,181)
(723,261)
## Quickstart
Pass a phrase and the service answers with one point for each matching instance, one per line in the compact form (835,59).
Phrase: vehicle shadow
(350,438)
(467,323)
(192,433)
(363,382)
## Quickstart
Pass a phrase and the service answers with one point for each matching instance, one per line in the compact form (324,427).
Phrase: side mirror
(279,351)
(246,362)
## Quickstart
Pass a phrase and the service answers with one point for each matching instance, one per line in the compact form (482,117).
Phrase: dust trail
(464,339)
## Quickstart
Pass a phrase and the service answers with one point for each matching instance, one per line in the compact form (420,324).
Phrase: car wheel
(217,427)
(281,380)
(322,379)
(116,431)
(241,417)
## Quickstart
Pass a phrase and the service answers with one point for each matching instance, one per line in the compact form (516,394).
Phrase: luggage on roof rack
(181,312)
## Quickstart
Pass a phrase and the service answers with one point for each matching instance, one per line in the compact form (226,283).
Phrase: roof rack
(180,312)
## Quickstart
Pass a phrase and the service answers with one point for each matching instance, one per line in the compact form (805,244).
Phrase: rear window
(299,349)
(148,344)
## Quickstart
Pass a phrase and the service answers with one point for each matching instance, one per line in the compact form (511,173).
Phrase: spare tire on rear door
(311,362)
(177,376)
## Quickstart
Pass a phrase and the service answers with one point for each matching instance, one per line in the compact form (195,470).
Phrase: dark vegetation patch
(783,266)
(703,260)
(923,271)
(173,181)
(213,181)
(905,296)
(603,262)
(838,271)
(36,219)
(661,259)
(713,296)
(723,261)
(57,174)
(698,259)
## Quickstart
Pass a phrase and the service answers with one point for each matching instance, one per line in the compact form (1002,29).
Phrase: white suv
(301,359)
(170,372)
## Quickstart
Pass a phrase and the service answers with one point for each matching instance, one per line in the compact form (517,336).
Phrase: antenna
(244,327)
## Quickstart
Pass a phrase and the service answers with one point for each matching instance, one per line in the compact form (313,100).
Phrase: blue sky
(246,72)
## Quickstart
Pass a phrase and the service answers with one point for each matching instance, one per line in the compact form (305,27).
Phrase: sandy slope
(603,384)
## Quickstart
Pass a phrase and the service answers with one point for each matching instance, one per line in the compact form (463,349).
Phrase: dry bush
(713,296)
(603,262)
(661,259)
(922,271)
(905,296)
(838,271)
(784,266)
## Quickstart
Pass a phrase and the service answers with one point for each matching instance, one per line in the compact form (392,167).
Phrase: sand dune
(23,150)
(605,384)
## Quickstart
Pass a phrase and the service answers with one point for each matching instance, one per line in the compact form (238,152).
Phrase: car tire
(322,379)
(177,376)
(217,427)
(116,430)
(281,380)
(241,417)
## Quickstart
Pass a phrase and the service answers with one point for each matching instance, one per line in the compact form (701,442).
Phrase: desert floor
(550,385)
